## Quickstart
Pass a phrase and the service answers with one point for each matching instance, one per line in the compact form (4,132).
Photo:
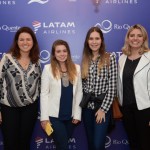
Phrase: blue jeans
(63,130)
(96,133)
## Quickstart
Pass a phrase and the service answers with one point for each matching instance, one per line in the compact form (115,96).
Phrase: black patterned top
(18,87)
(103,82)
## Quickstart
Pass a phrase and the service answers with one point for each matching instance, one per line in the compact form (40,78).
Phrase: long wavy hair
(87,52)
(71,69)
(34,52)
(126,49)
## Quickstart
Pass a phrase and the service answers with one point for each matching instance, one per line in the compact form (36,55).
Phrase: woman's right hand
(43,123)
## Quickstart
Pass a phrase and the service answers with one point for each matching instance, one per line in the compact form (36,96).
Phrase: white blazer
(141,81)
(51,93)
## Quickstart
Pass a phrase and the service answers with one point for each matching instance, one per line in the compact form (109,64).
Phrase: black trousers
(18,125)
(136,125)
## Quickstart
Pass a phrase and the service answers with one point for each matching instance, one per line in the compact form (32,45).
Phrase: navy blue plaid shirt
(103,82)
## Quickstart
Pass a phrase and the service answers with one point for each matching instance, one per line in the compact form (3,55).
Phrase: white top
(51,93)
(141,81)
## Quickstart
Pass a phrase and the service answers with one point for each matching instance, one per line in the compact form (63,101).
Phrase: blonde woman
(134,87)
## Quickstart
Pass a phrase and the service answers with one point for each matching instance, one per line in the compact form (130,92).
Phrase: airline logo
(56,27)
(36,26)
(38,141)
(124,2)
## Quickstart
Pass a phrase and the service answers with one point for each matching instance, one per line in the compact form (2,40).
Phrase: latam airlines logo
(7,3)
(55,27)
(106,26)
(36,25)
(48,143)
(124,2)
(38,141)
(38,1)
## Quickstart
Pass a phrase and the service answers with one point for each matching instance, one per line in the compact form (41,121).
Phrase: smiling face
(135,39)
(61,53)
(94,42)
(25,42)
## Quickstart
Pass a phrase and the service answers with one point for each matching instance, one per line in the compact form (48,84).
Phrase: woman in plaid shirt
(99,76)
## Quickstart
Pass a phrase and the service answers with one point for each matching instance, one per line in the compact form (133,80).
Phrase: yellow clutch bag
(48,129)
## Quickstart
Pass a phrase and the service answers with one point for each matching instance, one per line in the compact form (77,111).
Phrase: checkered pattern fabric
(104,82)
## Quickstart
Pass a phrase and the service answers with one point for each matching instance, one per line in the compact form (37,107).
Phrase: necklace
(24,63)
(134,58)
(65,79)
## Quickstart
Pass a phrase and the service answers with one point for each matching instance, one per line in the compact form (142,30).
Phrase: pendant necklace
(65,79)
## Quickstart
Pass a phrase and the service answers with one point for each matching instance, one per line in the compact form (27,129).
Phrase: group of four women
(62,85)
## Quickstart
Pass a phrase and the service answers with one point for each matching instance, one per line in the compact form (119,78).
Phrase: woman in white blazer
(134,87)
(61,93)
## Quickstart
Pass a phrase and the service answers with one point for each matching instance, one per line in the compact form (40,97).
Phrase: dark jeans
(96,133)
(63,130)
(136,124)
(17,126)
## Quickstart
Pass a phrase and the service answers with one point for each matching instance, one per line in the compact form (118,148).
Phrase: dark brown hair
(34,52)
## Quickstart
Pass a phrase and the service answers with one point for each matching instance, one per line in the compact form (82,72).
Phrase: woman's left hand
(100,116)
(75,121)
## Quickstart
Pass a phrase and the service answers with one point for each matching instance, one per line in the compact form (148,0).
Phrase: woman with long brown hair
(61,93)
(99,76)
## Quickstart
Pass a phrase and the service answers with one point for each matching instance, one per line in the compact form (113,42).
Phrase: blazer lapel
(121,65)
(144,61)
